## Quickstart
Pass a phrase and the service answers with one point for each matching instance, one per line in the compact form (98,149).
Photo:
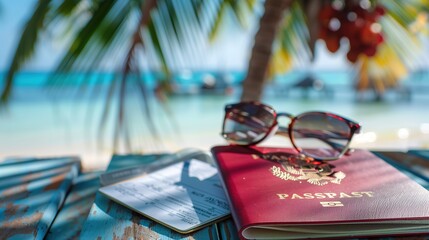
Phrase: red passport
(273,194)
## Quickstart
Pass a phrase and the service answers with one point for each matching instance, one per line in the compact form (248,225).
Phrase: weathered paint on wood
(69,221)
(227,230)
(126,161)
(31,192)
(109,220)
(422,153)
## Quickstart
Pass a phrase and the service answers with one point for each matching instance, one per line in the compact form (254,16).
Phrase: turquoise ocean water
(41,121)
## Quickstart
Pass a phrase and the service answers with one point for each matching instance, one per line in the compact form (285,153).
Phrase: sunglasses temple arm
(283,131)
(334,145)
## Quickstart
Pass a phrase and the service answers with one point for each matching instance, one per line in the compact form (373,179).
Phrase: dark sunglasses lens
(247,123)
(320,136)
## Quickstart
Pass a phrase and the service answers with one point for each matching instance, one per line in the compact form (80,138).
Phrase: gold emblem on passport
(298,168)
(332,204)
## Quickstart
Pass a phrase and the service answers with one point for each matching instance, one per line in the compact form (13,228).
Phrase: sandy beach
(42,127)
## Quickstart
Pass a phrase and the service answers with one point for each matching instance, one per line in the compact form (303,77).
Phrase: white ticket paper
(183,196)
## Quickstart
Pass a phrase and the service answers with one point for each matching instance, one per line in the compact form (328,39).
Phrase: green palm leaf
(293,37)
(26,45)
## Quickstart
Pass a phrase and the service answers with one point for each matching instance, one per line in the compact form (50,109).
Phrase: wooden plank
(126,161)
(109,220)
(69,221)
(227,230)
(31,192)
(422,153)
(24,167)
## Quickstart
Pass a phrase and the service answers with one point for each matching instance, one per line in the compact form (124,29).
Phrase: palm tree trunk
(253,84)
(311,10)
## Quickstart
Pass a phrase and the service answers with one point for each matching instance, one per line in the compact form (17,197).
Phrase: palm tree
(262,49)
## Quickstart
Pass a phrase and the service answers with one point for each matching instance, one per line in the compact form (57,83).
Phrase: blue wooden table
(31,193)
(53,199)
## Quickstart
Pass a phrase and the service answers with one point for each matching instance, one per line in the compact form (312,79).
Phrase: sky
(225,53)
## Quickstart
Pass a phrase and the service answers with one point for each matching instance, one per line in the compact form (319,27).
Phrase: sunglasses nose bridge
(284,114)
(288,115)
(283,130)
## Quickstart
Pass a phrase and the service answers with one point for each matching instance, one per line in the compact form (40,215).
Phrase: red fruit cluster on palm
(354,22)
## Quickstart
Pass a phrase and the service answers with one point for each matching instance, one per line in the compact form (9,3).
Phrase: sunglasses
(318,135)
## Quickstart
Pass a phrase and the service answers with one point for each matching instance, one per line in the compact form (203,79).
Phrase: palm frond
(242,11)
(401,39)
(216,25)
(86,39)
(213,13)
(382,71)
(26,46)
(66,8)
(291,46)
(403,13)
